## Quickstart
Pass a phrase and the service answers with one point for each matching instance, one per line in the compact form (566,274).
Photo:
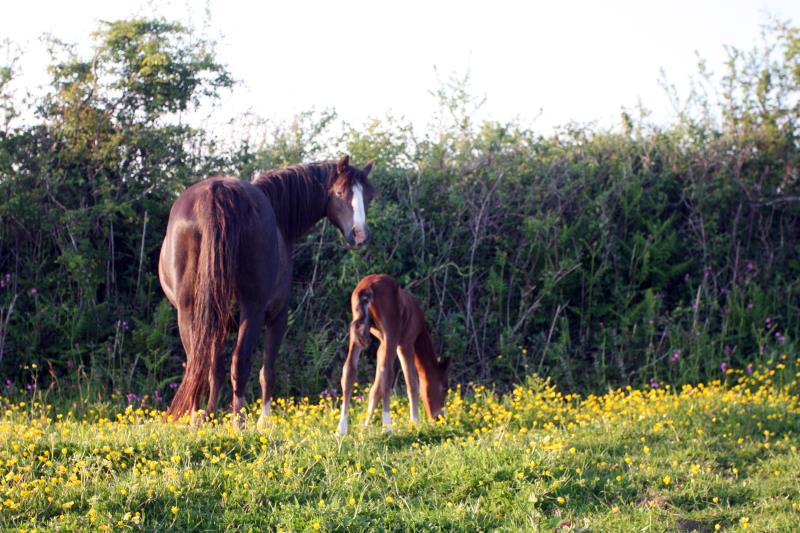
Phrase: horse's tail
(220,216)
(359,327)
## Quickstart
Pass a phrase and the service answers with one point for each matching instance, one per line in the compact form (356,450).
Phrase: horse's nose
(360,236)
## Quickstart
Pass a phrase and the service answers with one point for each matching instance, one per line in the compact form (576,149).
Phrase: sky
(542,63)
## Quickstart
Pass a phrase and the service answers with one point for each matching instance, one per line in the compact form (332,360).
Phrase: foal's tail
(359,327)
(220,215)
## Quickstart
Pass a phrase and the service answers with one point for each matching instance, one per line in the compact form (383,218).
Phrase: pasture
(716,456)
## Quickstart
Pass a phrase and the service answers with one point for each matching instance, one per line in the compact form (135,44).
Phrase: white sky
(573,60)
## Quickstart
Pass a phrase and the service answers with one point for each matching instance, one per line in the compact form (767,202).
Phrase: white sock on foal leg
(343,421)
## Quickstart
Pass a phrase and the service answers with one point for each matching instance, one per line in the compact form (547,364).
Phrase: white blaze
(359,215)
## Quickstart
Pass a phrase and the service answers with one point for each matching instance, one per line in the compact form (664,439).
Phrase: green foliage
(596,257)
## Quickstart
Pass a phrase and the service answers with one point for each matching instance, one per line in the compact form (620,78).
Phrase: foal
(398,322)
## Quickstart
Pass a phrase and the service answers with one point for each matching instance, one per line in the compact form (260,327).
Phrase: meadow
(707,457)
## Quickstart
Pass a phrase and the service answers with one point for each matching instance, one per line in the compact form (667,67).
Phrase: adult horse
(230,241)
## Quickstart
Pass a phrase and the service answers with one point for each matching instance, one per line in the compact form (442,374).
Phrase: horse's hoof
(263,422)
(197,419)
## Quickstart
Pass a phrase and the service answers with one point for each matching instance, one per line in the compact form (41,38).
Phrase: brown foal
(398,322)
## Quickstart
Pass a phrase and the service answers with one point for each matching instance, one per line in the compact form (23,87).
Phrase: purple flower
(728,350)
(131,397)
(9,384)
(779,337)
(749,306)
(330,393)
(676,356)
(33,291)
(157,396)
(768,323)
(723,367)
(707,271)
(653,383)
(750,266)
(749,369)
(8,277)
(173,386)
(31,387)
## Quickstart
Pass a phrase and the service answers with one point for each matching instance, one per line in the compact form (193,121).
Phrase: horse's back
(247,209)
(391,306)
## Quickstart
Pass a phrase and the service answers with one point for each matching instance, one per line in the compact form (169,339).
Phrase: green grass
(720,455)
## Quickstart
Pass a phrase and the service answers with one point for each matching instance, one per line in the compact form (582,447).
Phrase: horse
(399,323)
(230,241)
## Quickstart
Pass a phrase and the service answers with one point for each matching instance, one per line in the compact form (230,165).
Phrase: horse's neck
(299,202)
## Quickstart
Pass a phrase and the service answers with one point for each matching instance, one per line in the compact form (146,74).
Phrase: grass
(719,456)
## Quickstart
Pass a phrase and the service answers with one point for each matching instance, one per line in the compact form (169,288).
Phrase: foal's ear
(368,167)
(343,163)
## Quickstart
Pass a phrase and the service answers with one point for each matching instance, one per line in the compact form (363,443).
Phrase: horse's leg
(266,376)
(215,376)
(406,355)
(251,319)
(185,331)
(349,374)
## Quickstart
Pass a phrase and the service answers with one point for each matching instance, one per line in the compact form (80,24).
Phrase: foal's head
(434,390)
(349,195)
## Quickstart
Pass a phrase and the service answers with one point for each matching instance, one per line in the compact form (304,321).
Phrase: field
(718,456)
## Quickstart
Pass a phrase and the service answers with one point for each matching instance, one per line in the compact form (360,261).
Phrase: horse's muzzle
(358,238)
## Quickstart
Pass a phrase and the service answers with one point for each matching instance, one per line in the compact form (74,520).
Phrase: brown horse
(230,241)
(399,323)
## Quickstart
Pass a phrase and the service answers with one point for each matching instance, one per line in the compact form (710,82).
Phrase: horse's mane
(297,194)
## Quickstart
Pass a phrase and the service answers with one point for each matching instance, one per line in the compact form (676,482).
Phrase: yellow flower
(351,502)
(389,500)
(666,480)
(174,509)
(316,526)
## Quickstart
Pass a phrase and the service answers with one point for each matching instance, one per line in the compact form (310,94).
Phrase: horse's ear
(343,163)
(368,167)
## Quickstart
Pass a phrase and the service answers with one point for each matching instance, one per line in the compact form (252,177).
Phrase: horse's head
(435,390)
(349,195)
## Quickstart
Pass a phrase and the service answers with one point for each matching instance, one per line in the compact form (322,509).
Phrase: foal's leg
(406,355)
(349,374)
(251,321)
(382,387)
(266,376)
